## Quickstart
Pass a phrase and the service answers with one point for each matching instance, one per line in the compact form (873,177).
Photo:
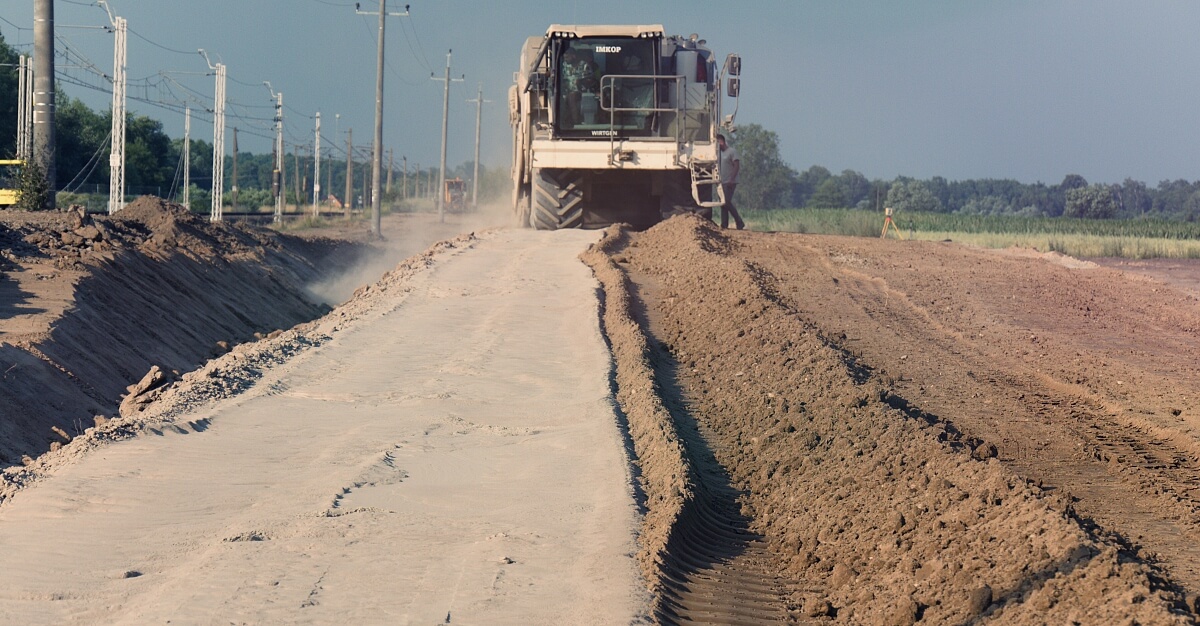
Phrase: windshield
(598,86)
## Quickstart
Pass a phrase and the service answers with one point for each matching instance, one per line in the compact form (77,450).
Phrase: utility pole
(337,126)
(187,157)
(218,177)
(43,92)
(377,146)
(404,191)
(349,172)
(317,170)
(478,123)
(441,193)
(367,189)
(234,191)
(296,169)
(391,166)
(277,179)
(116,157)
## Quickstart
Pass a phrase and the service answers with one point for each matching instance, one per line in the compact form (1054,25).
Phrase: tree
(33,188)
(912,195)
(807,184)
(1093,202)
(8,99)
(854,187)
(81,138)
(828,196)
(765,181)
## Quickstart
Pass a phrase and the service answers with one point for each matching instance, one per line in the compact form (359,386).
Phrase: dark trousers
(728,207)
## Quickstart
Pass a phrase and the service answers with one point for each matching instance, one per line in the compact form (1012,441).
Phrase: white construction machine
(617,124)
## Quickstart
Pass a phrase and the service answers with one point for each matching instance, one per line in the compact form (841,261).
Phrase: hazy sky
(1024,89)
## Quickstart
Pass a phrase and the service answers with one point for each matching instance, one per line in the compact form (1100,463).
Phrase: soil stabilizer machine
(617,124)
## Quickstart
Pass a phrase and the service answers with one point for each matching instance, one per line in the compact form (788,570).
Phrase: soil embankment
(874,508)
(90,304)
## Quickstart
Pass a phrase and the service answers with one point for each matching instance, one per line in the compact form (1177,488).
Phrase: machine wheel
(557,199)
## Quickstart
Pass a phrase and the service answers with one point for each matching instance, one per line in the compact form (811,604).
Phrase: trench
(716,568)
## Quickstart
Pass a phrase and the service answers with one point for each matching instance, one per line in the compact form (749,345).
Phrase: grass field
(1132,239)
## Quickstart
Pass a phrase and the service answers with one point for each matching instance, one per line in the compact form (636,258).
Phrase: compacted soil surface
(785,428)
(883,432)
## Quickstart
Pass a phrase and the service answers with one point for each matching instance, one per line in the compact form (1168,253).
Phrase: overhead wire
(90,166)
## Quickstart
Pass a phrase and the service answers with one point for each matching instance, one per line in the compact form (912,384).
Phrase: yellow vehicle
(456,194)
(10,170)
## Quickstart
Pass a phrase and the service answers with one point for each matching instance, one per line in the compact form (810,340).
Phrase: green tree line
(768,182)
(153,159)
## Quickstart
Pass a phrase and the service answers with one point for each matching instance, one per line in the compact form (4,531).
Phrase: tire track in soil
(718,571)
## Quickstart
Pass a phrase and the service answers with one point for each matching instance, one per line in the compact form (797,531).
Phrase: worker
(579,76)
(730,165)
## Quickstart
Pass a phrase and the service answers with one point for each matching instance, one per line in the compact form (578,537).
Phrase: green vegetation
(767,182)
(1137,238)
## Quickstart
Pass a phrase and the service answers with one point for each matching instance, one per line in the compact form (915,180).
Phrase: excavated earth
(90,304)
(837,430)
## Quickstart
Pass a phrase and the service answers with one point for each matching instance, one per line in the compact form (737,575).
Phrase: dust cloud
(404,235)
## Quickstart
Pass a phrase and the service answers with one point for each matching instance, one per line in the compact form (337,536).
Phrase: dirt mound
(91,303)
(161,399)
(877,512)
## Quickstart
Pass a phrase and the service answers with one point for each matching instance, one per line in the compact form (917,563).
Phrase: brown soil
(914,432)
(89,304)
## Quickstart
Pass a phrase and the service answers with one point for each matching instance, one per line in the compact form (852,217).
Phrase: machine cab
(605,86)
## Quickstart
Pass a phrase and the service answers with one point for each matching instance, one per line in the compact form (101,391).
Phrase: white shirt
(728,156)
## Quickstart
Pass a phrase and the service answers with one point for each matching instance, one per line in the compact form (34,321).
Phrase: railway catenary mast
(616,123)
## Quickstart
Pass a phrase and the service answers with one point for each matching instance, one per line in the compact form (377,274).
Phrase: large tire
(557,199)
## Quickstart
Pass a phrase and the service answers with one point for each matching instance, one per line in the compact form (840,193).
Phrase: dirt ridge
(880,518)
(245,368)
(152,285)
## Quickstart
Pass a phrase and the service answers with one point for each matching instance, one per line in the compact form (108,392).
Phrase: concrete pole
(377,147)
(404,189)
(43,91)
(441,191)
(478,124)
(391,167)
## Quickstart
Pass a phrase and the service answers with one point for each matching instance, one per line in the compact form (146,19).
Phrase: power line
(158,45)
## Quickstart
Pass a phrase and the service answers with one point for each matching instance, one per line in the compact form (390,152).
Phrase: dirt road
(442,449)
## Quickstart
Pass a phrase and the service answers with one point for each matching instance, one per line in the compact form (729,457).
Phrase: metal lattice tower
(25,108)
(317,169)
(116,158)
(218,175)
(187,158)
(280,190)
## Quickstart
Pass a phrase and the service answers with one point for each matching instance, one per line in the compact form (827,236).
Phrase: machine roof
(645,30)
